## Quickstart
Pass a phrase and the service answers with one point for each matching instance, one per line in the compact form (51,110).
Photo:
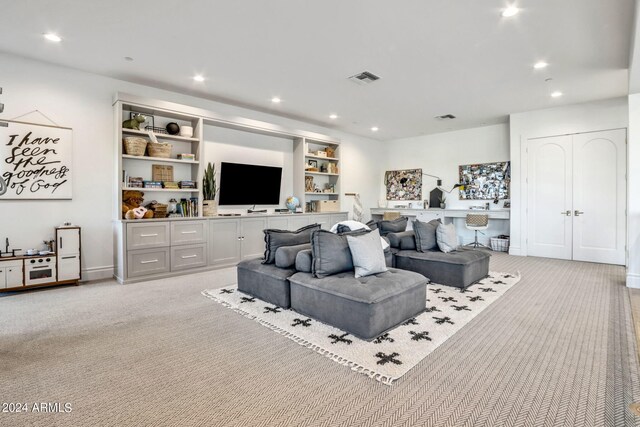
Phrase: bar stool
(477,222)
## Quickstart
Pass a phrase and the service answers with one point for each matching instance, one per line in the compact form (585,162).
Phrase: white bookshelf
(303,150)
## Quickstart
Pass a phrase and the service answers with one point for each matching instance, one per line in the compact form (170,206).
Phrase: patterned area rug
(392,354)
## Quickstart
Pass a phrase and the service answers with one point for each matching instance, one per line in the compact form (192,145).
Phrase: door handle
(567,213)
(577,212)
(149,262)
(188,256)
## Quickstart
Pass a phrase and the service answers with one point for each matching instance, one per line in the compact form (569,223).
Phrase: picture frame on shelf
(313,164)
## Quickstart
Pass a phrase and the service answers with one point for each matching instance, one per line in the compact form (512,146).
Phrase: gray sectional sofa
(312,272)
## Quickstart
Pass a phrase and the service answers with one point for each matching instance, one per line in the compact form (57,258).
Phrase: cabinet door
(147,261)
(253,244)
(224,242)
(11,275)
(323,220)
(68,241)
(279,223)
(68,267)
(3,280)
(148,235)
(335,218)
(190,256)
(296,222)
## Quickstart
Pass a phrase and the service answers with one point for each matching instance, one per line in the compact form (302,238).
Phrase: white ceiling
(435,57)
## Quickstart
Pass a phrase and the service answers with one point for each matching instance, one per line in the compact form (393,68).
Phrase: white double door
(576,190)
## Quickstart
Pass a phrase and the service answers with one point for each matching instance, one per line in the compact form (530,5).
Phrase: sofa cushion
(286,255)
(331,252)
(425,234)
(367,254)
(265,281)
(393,226)
(304,261)
(402,240)
(447,237)
(277,238)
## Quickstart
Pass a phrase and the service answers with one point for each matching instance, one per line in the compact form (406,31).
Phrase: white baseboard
(516,250)
(97,273)
(633,280)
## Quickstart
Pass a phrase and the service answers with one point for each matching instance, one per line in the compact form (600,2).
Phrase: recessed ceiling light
(198,78)
(128,58)
(540,65)
(374,129)
(510,11)
(333,116)
(276,100)
(52,37)
(556,94)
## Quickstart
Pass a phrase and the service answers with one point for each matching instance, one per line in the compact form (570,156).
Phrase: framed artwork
(404,184)
(485,181)
(35,161)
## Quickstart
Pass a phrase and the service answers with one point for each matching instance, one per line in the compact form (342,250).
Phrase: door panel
(599,192)
(224,241)
(253,244)
(550,197)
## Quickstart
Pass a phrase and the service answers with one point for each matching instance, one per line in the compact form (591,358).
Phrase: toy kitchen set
(59,264)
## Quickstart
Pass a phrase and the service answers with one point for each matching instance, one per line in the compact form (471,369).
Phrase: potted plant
(209,191)
(442,200)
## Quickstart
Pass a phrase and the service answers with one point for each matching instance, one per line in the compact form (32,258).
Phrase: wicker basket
(134,145)
(500,245)
(159,150)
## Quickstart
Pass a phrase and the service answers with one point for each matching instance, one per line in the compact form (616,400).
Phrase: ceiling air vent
(445,117)
(364,77)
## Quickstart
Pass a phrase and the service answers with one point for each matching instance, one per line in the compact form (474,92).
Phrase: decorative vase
(443,205)
(209,208)
(172,128)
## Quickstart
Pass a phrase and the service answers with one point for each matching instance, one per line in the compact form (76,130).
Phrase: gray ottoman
(265,281)
(364,307)
(460,268)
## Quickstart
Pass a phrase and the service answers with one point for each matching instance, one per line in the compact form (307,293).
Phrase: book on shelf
(171,185)
(135,182)
(187,185)
(152,184)
(188,207)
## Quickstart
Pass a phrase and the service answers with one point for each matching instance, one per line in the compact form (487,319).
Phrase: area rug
(392,354)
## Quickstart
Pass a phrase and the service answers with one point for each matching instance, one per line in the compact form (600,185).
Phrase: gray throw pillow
(286,255)
(447,237)
(403,240)
(372,224)
(367,254)
(426,234)
(393,226)
(331,254)
(304,261)
(276,238)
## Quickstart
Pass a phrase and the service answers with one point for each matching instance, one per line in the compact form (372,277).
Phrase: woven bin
(134,145)
(500,245)
(159,150)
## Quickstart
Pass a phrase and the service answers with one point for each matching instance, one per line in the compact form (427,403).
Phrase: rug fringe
(384,379)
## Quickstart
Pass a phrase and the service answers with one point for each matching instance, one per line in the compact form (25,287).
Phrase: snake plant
(209,189)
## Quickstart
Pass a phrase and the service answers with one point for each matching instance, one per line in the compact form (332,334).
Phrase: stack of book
(171,184)
(187,185)
(135,182)
(152,184)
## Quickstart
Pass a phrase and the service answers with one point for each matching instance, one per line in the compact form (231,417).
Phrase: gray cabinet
(188,256)
(224,242)
(252,237)
(188,232)
(144,262)
(147,235)
(337,217)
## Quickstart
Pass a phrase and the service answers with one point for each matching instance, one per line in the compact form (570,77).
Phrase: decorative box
(326,206)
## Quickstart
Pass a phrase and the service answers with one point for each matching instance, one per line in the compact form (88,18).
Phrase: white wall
(83,101)
(441,154)
(578,118)
(633,191)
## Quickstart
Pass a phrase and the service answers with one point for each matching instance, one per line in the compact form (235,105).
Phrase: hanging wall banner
(35,161)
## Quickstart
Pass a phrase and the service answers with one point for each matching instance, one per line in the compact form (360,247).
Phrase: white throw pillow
(447,237)
(367,254)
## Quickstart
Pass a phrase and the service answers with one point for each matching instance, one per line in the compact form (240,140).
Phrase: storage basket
(134,145)
(159,150)
(500,244)
(326,206)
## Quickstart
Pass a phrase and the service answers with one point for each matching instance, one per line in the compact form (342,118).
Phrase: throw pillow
(276,238)
(343,228)
(372,224)
(331,254)
(393,226)
(426,234)
(367,254)
(447,237)
(286,255)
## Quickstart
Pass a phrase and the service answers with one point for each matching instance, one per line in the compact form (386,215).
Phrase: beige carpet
(557,349)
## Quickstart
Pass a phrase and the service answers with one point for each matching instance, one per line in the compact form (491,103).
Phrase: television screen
(242,184)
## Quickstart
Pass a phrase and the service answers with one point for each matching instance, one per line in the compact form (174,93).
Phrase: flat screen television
(242,184)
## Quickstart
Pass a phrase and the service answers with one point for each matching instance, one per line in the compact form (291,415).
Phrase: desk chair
(390,215)
(477,222)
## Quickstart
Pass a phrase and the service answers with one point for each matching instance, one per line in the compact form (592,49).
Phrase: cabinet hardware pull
(567,213)
(60,242)
(577,212)
(68,257)
(189,232)
(149,262)
(149,235)
(189,256)
(42,266)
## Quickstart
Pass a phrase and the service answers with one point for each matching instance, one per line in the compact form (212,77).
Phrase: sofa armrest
(402,240)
